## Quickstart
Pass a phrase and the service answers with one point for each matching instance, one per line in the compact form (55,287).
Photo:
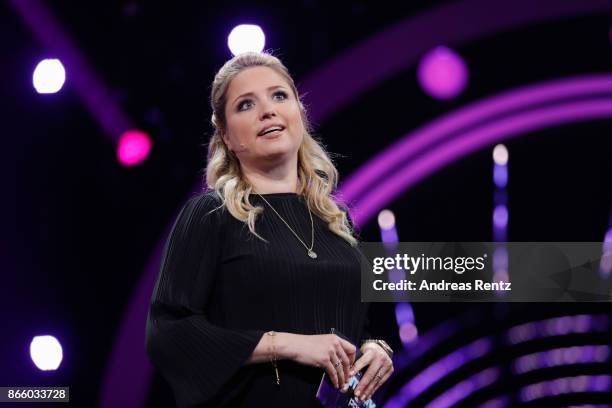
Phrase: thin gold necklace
(311,253)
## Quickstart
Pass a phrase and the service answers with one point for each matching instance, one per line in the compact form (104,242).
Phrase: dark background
(78,228)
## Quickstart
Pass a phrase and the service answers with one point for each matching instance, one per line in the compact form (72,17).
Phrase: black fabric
(220,289)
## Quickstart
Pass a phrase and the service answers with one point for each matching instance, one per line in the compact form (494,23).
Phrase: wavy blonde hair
(317,174)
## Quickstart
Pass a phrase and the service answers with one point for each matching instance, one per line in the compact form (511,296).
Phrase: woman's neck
(280,179)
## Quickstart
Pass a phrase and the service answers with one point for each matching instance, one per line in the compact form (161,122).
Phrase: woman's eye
(279,96)
(241,104)
(282,94)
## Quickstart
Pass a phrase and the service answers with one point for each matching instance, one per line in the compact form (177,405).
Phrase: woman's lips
(273,134)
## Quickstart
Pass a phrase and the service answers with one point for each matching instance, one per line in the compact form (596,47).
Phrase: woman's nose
(267,110)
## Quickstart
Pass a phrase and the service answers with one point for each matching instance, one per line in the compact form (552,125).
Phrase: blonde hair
(316,173)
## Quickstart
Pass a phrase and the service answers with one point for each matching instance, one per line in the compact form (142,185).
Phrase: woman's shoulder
(206,198)
(204,205)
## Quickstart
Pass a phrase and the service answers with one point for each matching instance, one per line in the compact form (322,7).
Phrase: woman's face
(258,100)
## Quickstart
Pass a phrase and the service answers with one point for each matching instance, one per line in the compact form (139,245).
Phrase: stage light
(46,352)
(500,155)
(500,176)
(500,216)
(500,257)
(404,313)
(501,275)
(408,333)
(442,73)
(49,76)
(246,37)
(134,147)
(386,219)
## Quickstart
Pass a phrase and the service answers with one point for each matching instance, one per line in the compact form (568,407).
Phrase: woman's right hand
(324,351)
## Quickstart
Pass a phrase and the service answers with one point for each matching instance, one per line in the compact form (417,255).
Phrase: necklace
(311,253)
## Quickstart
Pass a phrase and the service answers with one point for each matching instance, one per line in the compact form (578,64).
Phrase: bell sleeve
(196,357)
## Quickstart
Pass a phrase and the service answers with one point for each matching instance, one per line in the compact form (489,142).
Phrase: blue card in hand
(332,397)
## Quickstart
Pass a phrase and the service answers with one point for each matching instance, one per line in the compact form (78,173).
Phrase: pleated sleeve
(196,357)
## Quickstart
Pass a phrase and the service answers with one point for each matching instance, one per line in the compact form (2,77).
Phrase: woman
(260,268)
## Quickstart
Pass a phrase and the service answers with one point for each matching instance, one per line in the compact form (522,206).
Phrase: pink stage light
(442,73)
(134,147)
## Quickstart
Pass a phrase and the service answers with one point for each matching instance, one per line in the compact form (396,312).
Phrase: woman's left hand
(380,368)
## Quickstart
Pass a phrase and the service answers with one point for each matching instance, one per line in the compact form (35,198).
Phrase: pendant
(312,254)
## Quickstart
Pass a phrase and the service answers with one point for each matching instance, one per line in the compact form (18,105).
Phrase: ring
(337,364)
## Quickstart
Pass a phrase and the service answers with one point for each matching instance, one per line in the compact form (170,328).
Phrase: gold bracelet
(273,357)
(383,344)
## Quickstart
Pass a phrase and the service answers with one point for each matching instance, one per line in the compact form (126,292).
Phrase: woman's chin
(276,145)
(276,153)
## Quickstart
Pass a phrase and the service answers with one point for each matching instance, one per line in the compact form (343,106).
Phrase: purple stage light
(404,313)
(500,257)
(386,222)
(500,213)
(408,333)
(246,37)
(389,235)
(566,385)
(46,352)
(439,369)
(500,176)
(397,275)
(561,356)
(557,326)
(500,216)
(49,76)
(134,147)
(501,276)
(451,397)
(394,403)
(442,73)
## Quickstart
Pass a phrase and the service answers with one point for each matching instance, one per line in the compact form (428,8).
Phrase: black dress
(220,289)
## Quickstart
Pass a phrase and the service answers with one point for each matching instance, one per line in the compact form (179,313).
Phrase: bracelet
(383,344)
(273,357)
